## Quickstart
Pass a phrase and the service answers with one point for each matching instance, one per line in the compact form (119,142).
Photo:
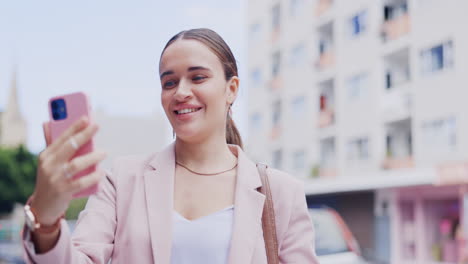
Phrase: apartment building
(365,101)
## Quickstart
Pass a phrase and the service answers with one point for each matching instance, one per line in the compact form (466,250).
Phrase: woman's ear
(232,89)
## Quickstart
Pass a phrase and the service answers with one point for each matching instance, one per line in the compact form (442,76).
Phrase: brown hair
(219,47)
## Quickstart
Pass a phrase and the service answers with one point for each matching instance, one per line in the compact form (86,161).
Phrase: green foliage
(75,207)
(17,176)
(17,180)
(314,171)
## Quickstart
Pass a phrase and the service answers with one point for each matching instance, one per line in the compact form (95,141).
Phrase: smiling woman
(161,208)
(207,58)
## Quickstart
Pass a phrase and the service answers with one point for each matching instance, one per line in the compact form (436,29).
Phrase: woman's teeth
(186,111)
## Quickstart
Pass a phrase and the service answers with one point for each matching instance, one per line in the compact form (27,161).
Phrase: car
(334,242)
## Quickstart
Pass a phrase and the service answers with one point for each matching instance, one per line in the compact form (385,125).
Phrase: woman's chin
(188,136)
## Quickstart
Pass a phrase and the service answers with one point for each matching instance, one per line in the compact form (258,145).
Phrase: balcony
(322,7)
(398,163)
(328,173)
(326,60)
(275,132)
(275,35)
(325,45)
(396,28)
(327,167)
(399,145)
(326,114)
(276,83)
(397,105)
(326,118)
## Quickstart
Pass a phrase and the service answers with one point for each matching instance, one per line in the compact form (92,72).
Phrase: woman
(196,201)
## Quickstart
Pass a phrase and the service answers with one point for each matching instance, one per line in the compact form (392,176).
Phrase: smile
(187,111)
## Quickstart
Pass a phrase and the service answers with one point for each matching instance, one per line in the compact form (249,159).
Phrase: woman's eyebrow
(166,73)
(190,69)
(196,68)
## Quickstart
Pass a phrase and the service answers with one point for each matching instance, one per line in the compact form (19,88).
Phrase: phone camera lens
(59,109)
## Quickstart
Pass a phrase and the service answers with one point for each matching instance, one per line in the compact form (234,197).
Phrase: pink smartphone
(64,110)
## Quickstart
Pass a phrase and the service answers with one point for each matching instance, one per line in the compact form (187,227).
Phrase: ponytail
(232,134)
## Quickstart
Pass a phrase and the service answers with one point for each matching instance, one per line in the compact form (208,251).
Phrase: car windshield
(328,234)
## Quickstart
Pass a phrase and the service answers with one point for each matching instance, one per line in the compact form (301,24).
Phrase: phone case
(76,105)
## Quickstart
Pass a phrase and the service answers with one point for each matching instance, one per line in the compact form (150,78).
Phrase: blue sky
(107,48)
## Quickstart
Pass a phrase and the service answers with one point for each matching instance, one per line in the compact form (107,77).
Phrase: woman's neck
(207,156)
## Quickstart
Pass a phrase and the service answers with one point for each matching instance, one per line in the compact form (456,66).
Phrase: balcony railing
(325,60)
(322,7)
(276,83)
(326,118)
(275,132)
(391,163)
(328,172)
(395,28)
(275,34)
(397,105)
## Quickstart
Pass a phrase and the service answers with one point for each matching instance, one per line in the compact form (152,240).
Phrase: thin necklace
(205,174)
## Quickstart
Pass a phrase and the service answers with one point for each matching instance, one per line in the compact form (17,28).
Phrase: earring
(173,134)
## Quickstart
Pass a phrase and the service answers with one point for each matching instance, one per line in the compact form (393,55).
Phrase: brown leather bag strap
(268,218)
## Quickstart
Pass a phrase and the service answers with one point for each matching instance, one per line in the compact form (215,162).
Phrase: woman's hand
(54,187)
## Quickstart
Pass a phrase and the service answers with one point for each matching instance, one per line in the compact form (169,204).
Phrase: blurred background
(363,100)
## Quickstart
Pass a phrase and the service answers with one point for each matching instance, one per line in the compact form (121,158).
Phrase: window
(324,46)
(437,58)
(299,160)
(298,107)
(399,144)
(394,11)
(357,86)
(276,64)
(298,56)
(256,77)
(397,76)
(275,17)
(327,153)
(278,159)
(255,122)
(357,24)
(254,31)
(440,136)
(276,112)
(358,149)
(295,7)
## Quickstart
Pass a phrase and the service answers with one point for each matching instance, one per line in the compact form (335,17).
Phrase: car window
(329,237)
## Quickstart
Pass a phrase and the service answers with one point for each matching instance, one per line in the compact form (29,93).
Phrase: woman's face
(195,94)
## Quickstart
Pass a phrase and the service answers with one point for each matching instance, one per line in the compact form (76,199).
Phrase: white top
(205,240)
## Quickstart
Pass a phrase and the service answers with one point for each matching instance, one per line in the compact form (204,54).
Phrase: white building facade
(368,95)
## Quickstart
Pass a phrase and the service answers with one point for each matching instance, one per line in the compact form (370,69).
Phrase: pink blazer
(129,219)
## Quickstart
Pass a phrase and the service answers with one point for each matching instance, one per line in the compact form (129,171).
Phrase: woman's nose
(183,91)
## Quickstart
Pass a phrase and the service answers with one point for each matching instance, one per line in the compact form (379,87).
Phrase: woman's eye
(169,84)
(198,78)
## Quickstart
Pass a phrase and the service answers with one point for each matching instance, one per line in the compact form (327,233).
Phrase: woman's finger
(83,162)
(76,127)
(66,151)
(85,182)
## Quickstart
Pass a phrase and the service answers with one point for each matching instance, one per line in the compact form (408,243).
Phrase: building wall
(126,135)
(420,100)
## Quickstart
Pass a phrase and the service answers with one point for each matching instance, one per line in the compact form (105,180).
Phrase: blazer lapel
(159,192)
(248,208)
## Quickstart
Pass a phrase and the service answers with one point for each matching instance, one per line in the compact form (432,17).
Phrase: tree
(17,180)
(17,176)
